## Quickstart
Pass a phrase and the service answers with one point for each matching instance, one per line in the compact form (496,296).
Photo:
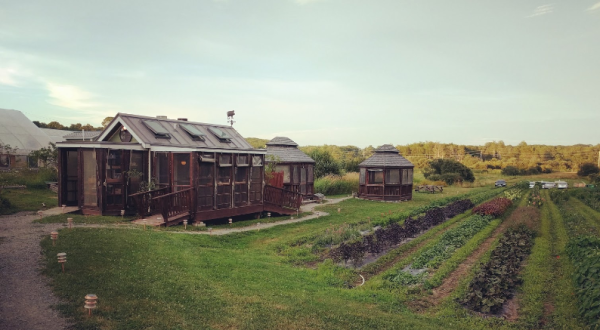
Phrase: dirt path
(25,297)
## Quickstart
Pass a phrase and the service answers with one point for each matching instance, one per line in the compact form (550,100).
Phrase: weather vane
(230,115)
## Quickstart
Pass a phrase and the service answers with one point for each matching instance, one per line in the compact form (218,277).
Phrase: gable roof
(18,131)
(386,156)
(286,151)
(78,135)
(177,136)
(56,135)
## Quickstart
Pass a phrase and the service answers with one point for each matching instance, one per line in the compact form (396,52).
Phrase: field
(427,272)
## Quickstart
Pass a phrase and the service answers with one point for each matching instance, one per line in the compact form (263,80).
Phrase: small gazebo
(297,167)
(386,176)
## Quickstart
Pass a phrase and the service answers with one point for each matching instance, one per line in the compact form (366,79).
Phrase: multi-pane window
(375,176)
(392,176)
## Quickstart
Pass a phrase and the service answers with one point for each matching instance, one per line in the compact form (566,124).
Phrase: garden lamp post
(90,302)
(70,222)
(54,237)
(185,222)
(62,258)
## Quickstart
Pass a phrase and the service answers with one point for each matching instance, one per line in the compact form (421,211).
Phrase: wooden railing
(174,204)
(143,200)
(282,198)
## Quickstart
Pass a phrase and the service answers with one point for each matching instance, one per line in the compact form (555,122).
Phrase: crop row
(495,207)
(584,252)
(496,280)
(394,234)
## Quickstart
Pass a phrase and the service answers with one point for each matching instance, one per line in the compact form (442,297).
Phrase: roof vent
(161,117)
(182,119)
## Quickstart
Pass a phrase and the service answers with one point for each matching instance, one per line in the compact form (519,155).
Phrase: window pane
(181,169)
(257,161)
(225,175)
(241,174)
(89,178)
(286,172)
(225,159)
(296,174)
(392,176)
(410,176)
(162,168)
(375,177)
(136,169)
(206,174)
(242,159)
(310,174)
(362,175)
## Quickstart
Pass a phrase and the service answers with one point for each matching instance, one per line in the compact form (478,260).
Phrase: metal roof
(18,131)
(286,151)
(78,135)
(178,137)
(386,156)
(56,135)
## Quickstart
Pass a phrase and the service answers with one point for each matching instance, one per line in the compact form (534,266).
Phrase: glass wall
(90,184)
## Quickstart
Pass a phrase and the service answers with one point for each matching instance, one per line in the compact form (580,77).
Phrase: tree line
(73,127)
(525,158)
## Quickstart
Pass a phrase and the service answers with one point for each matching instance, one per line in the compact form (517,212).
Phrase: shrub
(5,205)
(324,163)
(32,178)
(496,207)
(448,170)
(587,169)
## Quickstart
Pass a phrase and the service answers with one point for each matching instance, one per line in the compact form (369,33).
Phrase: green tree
(107,121)
(47,155)
(587,169)
(449,170)
(324,163)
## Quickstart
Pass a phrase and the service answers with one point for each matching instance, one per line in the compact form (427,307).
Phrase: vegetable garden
(487,258)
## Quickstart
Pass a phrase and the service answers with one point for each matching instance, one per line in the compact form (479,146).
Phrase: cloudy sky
(318,71)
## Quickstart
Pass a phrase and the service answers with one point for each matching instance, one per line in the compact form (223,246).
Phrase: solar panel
(193,131)
(220,134)
(156,128)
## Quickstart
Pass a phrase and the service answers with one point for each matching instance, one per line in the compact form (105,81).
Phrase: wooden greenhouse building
(386,176)
(296,166)
(174,169)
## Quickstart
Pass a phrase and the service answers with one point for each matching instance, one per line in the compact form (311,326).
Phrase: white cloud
(542,10)
(71,97)
(594,7)
(8,76)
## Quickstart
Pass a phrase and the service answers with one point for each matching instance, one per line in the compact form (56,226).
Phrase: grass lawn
(84,219)
(29,199)
(163,280)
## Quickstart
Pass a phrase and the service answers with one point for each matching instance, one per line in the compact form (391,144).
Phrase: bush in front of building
(337,184)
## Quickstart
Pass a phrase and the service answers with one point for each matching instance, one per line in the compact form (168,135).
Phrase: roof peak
(282,141)
(387,148)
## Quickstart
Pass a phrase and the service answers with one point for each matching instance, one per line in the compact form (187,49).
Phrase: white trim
(100,146)
(118,120)
(229,151)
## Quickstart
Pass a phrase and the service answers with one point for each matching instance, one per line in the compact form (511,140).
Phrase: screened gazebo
(296,166)
(386,176)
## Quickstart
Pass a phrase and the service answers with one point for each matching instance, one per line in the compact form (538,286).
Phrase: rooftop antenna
(230,115)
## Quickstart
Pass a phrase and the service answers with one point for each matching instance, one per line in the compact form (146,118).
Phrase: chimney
(182,119)
(161,117)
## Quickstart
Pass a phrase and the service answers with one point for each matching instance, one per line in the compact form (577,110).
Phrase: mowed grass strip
(29,199)
(592,216)
(151,279)
(563,313)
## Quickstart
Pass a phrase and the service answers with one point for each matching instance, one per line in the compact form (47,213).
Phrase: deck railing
(282,198)
(174,204)
(143,200)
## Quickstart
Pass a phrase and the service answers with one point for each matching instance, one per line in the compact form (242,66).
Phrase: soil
(26,300)
(510,310)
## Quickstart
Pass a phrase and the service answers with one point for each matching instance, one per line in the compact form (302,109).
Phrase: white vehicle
(548,185)
(562,185)
(531,184)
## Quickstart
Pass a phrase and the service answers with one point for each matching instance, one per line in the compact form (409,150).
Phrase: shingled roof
(386,156)
(286,151)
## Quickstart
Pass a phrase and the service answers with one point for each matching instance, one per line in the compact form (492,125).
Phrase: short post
(70,222)
(291,218)
(210,230)
(90,302)
(269,215)
(318,214)
(339,210)
(122,214)
(258,225)
(63,208)
(54,237)
(230,221)
(185,222)
(144,221)
(62,258)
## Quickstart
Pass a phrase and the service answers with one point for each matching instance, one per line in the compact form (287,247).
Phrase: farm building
(174,169)
(297,168)
(386,176)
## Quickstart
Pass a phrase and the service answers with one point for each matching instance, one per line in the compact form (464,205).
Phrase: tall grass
(337,185)
(32,178)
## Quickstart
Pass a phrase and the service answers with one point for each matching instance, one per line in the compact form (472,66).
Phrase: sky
(344,72)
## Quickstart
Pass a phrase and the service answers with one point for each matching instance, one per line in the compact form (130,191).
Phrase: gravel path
(25,297)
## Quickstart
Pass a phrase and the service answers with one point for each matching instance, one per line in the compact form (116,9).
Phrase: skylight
(193,131)
(220,134)
(156,128)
